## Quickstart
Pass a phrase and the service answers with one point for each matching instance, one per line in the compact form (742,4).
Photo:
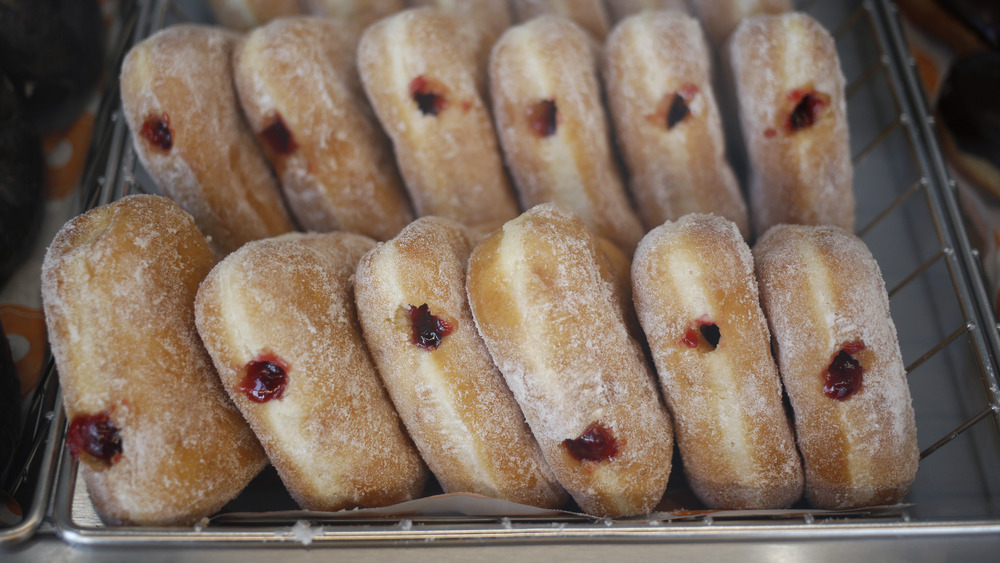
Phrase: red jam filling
(806,111)
(156,130)
(428,95)
(844,375)
(678,111)
(278,138)
(265,379)
(595,444)
(544,118)
(428,331)
(94,435)
(702,334)
(674,108)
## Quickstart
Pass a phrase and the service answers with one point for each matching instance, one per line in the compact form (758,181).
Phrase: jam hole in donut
(808,104)
(543,117)
(428,331)
(96,436)
(843,377)
(597,443)
(674,108)
(705,335)
(429,95)
(265,380)
(156,130)
(278,138)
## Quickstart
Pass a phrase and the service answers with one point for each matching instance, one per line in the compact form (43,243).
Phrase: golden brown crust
(822,291)
(550,60)
(118,285)
(591,15)
(734,437)
(242,15)
(447,152)
(332,434)
(297,75)
(798,175)
(550,317)
(213,168)
(656,62)
(451,397)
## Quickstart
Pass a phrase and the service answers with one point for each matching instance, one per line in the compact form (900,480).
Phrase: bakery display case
(907,213)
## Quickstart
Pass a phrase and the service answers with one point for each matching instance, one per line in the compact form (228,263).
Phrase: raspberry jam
(156,130)
(844,375)
(805,113)
(543,118)
(678,111)
(278,138)
(429,95)
(428,331)
(595,444)
(705,335)
(265,379)
(94,435)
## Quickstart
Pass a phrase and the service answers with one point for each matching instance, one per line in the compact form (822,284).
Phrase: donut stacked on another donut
(279,320)
(299,88)
(839,359)
(159,441)
(553,127)
(415,313)
(659,82)
(418,68)
(189,132)
(793,113)
(697,300)
(543,302)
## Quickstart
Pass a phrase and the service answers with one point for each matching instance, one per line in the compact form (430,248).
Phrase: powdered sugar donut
(697,300)
(839,358)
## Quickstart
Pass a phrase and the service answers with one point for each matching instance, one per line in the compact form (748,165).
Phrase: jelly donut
(553,127)
(299,89)
(720,17)
(357,13)
(621,9)
(839,359)
(248,14)
(550,317)
(794,119)
(159,441)
(466,424)
(420,75)
(659,83)
(187,127)
(591,15)
(279,321)
(697,300)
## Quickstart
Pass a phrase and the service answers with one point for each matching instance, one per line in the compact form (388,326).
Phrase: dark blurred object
(10,406)
(52,51)
(968,111)
(982,16)
(21,190)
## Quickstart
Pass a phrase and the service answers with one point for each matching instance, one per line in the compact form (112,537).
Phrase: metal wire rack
(911,220)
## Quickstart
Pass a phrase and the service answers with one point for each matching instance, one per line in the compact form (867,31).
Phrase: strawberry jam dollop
(428,330)
(843,377)
(265,380)
(428,95)
(597,443)
(156,130)
(96,436)
(278,138)
(702,334)
(808,104)
(543,117)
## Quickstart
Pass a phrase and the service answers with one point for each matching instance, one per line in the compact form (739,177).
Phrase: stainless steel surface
(909,217)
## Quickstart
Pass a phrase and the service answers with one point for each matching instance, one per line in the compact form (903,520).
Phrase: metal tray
(909,218)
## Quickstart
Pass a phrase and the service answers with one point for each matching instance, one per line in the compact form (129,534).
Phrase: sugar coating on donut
(659,82)
(450,395)
(553,127)
(793,113)
(419,71)
(332,433)
(823,294)
(118,287)
(696,297)
(549,317)
(591,15)
(299,89)
(181,78)
(720,17)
